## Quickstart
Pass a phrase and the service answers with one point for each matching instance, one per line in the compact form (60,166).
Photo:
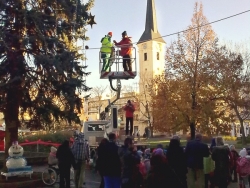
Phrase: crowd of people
(131,167)
(197,165)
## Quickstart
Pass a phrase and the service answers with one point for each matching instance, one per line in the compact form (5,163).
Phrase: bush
(57,137)
(229,138)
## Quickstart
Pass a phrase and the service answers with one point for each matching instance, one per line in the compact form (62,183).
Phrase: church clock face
(158,46)
(144,46)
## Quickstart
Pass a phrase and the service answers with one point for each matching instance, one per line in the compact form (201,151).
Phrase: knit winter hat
(110,34)
(159,151)
(53,149)
(243,153)
(139,152)
(176,137)
(231,147)
(147,151)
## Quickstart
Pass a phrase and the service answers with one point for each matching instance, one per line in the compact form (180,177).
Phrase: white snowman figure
(15,159)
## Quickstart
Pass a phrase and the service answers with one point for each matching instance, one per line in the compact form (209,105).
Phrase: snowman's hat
(15,143)
(53,149)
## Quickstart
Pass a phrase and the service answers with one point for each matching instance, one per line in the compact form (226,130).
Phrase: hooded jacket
(125,45)
(106,44)
(243,164)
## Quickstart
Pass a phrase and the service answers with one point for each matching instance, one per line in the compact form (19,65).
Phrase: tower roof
(151,30)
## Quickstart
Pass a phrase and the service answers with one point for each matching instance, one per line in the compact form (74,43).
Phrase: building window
(158,56)
(145,57)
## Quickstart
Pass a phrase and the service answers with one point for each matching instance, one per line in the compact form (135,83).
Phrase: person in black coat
(178,163)
(65,160)
(101,159)
(112,166)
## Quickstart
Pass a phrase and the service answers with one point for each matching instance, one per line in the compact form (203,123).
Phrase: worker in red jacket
(126,51)
(129,109)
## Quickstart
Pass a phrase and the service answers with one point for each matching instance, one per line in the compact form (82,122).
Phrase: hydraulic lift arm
(118,93)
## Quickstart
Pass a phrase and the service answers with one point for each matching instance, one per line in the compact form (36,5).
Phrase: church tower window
(145,56)
(157,55)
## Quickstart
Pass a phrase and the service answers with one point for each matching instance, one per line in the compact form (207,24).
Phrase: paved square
(93,179)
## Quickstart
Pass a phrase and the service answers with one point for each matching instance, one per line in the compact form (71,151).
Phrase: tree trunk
(192,123)
(192,130)
(193,96)
(151,129)
(149,120)
(11,120)
(243,136)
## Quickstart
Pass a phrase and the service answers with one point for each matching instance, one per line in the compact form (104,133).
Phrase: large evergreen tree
(39,60)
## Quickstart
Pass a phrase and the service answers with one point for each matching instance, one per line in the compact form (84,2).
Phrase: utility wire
(183,31)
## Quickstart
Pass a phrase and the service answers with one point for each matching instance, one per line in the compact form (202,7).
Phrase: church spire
(151,30)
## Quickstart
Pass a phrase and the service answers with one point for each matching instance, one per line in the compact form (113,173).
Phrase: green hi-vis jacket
(208,165)
(106,44)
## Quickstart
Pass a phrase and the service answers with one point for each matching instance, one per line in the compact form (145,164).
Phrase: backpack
(243,166)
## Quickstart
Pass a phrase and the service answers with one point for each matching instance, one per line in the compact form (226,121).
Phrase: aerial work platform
(116,70)
(115,75)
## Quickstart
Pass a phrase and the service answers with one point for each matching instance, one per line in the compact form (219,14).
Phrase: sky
(172,16)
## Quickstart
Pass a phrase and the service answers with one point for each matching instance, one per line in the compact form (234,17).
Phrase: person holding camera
(129,109)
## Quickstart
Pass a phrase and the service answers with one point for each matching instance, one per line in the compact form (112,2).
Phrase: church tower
(151,49)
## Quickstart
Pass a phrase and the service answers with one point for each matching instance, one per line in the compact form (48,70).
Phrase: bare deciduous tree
(97,95)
